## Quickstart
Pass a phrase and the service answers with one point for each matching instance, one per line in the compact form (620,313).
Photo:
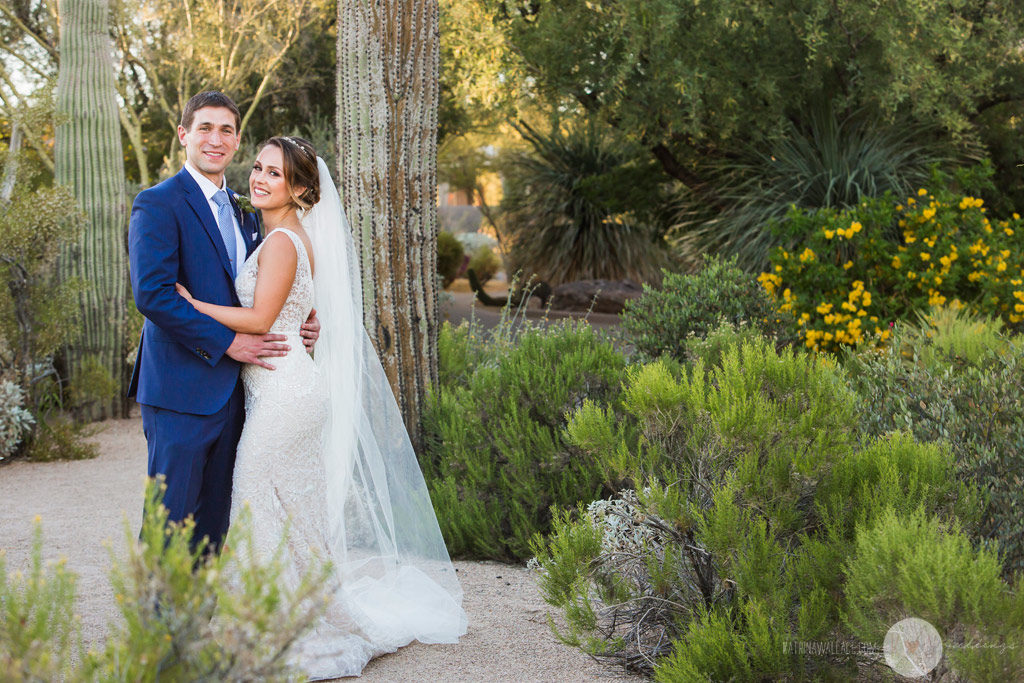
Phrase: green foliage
(751,487)
(497,459)
(940,388)
(582,206)
(662,320)
(485,263)
(38,633)
(833,164)
(691,81)
(450,256)
(890,259)
(39,316)
(911,564)
(184,615)
(58,437)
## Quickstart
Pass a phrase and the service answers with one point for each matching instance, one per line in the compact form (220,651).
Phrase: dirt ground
(85,505)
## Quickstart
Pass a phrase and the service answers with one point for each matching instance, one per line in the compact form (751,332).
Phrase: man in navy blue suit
(189,229)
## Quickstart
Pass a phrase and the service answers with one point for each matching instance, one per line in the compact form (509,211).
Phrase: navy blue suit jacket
(173,237)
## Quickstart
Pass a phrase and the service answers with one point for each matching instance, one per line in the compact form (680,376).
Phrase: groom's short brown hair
(208,98)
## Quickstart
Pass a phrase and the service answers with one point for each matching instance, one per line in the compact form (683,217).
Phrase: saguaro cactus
(387,120)
(89,160)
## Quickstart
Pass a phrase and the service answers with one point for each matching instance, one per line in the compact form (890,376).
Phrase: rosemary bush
(184,616)
(497,457)
(751,483)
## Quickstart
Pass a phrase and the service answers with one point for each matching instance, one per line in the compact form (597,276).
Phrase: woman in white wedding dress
(324,461)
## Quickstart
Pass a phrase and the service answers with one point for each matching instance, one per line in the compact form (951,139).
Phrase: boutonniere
(244,204)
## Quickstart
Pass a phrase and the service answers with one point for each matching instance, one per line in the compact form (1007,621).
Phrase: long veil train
(397,581)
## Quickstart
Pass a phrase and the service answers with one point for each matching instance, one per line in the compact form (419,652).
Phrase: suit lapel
(197,200)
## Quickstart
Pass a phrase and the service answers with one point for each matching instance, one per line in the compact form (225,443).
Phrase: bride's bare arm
(277,263)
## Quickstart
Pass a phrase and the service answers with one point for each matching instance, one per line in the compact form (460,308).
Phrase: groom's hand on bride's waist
(310,330)
(250,348)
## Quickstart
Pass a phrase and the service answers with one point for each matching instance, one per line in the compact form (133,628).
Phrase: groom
(189,229)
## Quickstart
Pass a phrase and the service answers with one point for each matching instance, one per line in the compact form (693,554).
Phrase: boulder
(611,295)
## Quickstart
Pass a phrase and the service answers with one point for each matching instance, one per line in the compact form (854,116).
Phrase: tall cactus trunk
(387,120)
(89,160)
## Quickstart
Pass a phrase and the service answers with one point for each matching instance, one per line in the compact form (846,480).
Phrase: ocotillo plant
(89,160)
(387,121)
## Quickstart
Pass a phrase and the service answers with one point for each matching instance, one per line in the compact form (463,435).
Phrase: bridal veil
(395,575)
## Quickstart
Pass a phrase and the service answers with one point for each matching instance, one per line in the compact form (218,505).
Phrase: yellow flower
(974,277)
(925,255)
(866,300)
(928,214)
(824,308)
(1008,231)
(808,255)
(945,260)
(829,234)
(1001,266)
(911,275)
(896,263)
(848,265)
(922,192)
(854,227)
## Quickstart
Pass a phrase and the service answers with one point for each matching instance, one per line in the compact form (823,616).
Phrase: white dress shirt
(209,189)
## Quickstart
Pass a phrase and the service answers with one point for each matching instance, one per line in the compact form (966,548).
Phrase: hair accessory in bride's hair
(298,144)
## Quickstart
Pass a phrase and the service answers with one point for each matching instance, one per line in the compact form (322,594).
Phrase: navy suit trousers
(196,455)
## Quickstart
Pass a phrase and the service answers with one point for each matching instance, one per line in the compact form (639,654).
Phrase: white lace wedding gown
(384,600)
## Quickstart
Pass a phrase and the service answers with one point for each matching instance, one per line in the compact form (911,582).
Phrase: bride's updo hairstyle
(300,169)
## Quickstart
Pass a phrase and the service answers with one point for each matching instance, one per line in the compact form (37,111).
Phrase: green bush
(915,565)
(890,258)
(183,616)
(751,484)
(497,459)
(961,383)
(832,161)
(660,321)
(584,205)
(450,256)
(485,263)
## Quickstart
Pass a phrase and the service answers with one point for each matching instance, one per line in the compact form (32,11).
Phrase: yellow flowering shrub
(859,270)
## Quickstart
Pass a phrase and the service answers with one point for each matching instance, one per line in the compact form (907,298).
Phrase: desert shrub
(888,259)
(751,483)
(485,263)
(584,204)
(911,564)
(660,321)
(184,615)
(960,383)
(15,421)
(831,161)
(450,256)
(497,459)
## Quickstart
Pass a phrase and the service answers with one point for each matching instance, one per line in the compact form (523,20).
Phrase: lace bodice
(300,298)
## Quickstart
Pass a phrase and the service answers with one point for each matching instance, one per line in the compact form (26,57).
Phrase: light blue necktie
(226,225)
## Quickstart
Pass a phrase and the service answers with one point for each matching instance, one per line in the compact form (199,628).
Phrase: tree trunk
(89,160)
(387,120)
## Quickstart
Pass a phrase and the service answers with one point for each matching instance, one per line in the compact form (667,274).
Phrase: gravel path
(84,506)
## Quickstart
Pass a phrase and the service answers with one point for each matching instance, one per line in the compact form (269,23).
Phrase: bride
(324,461)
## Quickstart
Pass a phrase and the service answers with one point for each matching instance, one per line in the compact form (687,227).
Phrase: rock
(611,295)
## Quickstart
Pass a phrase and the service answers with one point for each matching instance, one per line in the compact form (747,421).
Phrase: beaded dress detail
(279,474)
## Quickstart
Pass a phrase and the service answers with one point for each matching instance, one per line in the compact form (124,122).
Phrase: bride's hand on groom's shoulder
(310,331)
